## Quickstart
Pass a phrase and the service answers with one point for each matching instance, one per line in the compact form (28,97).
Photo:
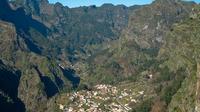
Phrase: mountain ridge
(59,51)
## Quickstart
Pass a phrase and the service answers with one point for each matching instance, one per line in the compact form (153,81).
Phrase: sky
(77,3)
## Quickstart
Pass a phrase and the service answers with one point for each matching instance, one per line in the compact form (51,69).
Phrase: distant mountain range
(49,51)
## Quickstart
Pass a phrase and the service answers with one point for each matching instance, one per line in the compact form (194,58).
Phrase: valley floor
(102,97)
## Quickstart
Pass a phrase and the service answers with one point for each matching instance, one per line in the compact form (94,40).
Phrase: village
(102,98)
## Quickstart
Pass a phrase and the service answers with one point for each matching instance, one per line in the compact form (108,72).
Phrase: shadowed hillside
(9,82)
(108,58)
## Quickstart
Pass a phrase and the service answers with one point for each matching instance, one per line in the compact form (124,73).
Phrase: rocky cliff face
(24,44)
(181,46)
(78,32)
(148,25)
(139,43)
(40,77)
(166,25)
(153,47)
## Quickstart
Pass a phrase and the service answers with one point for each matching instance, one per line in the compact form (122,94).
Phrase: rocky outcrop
(31,88)
(181,51)
(144,42)
(77,31)
(139,44)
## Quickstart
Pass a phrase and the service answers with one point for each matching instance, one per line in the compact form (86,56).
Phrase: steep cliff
(140,42)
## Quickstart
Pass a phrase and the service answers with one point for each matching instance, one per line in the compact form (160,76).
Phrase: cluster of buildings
(100,99)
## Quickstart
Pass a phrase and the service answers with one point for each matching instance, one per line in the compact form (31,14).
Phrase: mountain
(138,58)
(40,77)
(77,32)
(139,44)
(182,45)
(9,89)
(27,46)
(137,54)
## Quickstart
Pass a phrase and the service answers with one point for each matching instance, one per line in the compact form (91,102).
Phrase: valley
(142,58)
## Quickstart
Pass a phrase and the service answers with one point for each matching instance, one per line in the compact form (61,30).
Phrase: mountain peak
(166,1)
(53,47)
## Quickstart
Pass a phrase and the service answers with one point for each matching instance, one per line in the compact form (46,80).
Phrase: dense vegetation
(59,50)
